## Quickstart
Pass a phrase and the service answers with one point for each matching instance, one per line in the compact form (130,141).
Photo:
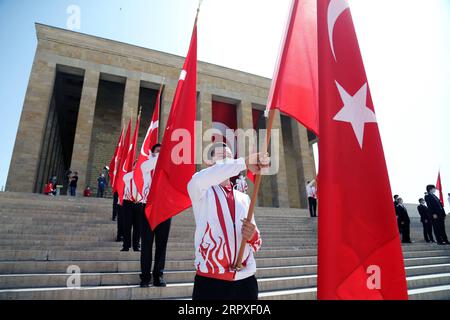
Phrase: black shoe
(441,243)
(125,250)
(159,282)
(145,284)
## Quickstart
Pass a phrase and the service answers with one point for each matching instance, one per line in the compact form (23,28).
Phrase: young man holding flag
(220,216)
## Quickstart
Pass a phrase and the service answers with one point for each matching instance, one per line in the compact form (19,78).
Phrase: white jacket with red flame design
(217,238)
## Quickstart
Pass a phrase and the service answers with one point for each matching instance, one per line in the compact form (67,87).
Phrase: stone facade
(118,78)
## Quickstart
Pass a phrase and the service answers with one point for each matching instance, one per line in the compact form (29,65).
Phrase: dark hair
(155,146)
(398,199)
(421,199)
(212,149)
(430,186)
(395,196)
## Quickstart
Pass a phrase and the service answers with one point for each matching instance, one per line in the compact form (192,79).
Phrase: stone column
(131,102)
(26,154)
(306,168)
(204,114)
(85,122)
(280,182)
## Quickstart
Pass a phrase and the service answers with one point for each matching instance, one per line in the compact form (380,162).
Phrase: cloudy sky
(405,46)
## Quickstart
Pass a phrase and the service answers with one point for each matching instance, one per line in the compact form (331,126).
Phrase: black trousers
(214,289)
(160,236)
(115,205)
(439,230)
(405,232)
(132,218)
(312,206)
(427,231)
(100,192)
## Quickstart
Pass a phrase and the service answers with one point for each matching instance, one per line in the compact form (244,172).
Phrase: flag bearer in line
(160,234)
(133,207)
(220,216)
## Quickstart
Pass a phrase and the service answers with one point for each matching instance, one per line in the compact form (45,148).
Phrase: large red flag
(359,255)
(168,194)
(294,89)
(118,180)
(128,163)
(439,187)
(151,138)
(115,162)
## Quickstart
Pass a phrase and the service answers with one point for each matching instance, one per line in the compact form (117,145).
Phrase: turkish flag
(168,193)
(151,138)
(439,187)
(359,254)
(256,116)
(127,164)
(115,162)
(294,89)
(118,180)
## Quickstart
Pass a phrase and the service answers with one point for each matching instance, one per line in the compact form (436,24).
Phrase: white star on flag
(355,111)
(183,75)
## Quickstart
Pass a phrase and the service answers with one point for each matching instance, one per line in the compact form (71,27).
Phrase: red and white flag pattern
(175,167)
(151,138)
(127,164)
(115,162)
(439,187)
(359,255)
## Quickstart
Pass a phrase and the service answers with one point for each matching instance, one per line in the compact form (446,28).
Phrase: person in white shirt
(311,192)
(132,208)
(160,235)
(221,223)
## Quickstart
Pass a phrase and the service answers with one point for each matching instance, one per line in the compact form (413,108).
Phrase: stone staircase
(40,237)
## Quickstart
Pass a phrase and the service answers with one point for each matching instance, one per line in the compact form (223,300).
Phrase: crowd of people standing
(432,217)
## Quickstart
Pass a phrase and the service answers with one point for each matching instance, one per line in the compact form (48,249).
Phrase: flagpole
(251,209)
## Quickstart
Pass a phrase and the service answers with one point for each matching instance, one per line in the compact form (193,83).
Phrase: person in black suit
(425,218)
(403,219)
(395,205)
(438,215)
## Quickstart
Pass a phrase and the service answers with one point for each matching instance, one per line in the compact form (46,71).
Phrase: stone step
(289,287)
(68,255)
(38,267)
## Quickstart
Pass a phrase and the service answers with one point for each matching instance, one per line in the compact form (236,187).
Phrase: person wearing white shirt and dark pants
(132,210)
(311,192)
(160,235)
(221,224)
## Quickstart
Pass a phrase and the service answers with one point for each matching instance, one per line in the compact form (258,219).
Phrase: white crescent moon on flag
(125,162)
(335,9)
(152,127)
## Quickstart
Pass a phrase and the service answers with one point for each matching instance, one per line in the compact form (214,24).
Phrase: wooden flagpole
(251,210)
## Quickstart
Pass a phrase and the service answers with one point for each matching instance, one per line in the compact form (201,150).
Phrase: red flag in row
(439,187)
(168,194)
(129,158)
(321,82)
(151,138)
(115,162)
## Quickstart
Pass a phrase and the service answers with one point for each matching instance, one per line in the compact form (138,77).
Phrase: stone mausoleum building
(83,88)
